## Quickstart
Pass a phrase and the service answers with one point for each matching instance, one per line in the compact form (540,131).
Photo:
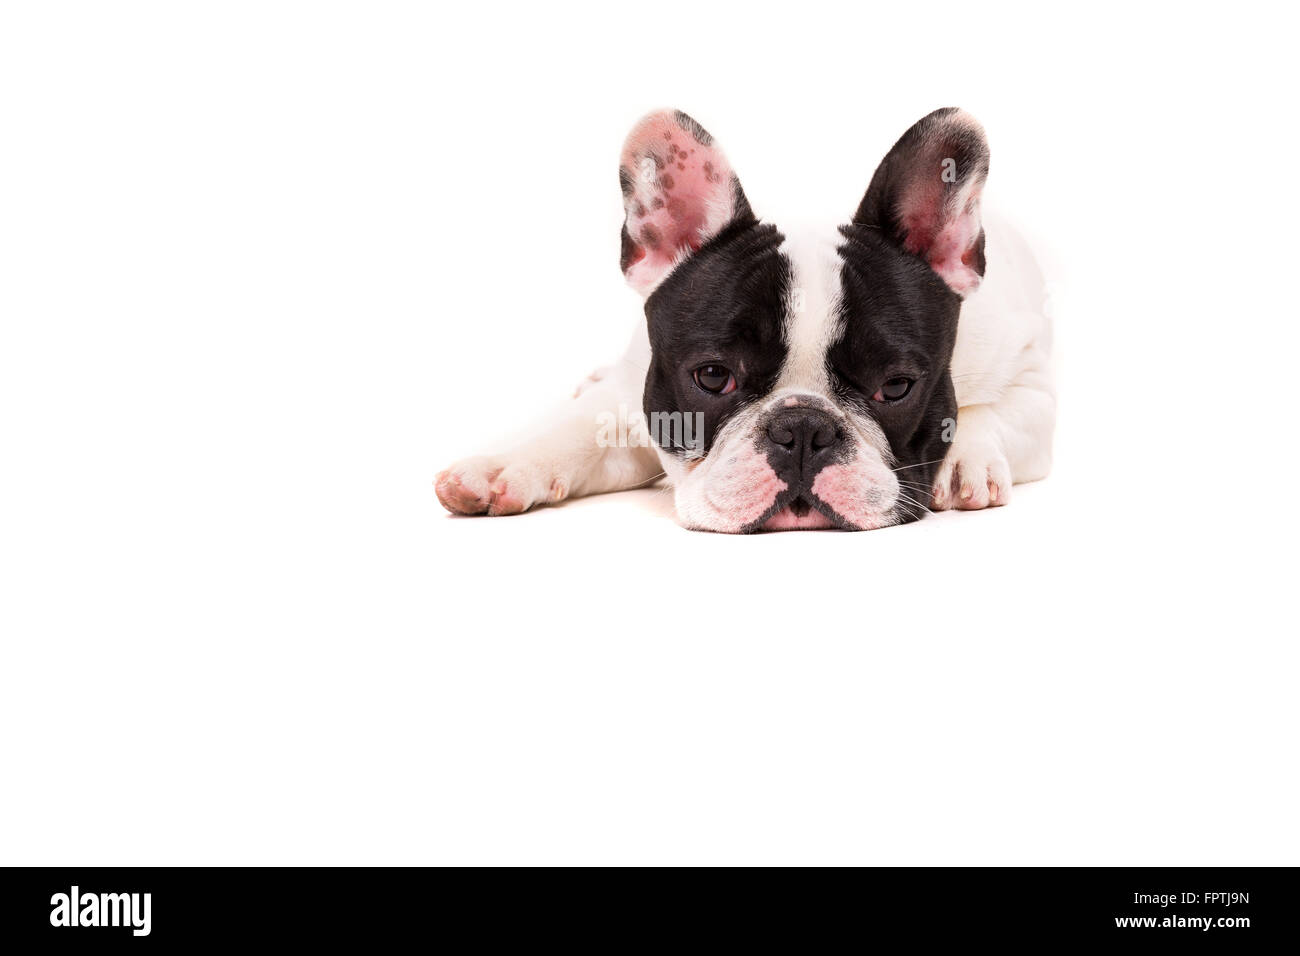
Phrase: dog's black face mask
(802,382)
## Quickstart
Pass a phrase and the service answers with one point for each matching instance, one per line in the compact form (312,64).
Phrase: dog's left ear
(926,196)
(678,193)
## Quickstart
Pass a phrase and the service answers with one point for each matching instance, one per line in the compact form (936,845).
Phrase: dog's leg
(576,453)
(1005,418)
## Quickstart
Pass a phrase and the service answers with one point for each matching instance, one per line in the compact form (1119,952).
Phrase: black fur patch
(724,305)
(900,320)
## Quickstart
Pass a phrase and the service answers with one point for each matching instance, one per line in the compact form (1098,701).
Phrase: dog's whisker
(652,478)
(908,500)
(919,464)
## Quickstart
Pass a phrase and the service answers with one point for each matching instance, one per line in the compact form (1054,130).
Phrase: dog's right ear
(678,191)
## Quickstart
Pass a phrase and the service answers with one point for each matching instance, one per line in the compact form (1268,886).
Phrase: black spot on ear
(695,129)
(625,181)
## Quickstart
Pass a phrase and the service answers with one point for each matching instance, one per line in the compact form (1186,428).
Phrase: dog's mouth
(799,514)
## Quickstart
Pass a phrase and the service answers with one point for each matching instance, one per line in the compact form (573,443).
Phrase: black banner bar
(1222,909)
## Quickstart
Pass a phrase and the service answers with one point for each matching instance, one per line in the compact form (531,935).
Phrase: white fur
(1001,369)
(812,307)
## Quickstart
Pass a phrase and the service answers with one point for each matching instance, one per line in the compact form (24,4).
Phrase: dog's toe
(465,489)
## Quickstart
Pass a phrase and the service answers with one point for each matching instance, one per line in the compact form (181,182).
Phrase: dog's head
(798,383)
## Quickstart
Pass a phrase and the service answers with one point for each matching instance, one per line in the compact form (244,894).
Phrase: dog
(855,379)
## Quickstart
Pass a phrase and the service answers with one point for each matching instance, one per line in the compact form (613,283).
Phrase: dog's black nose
(804,438)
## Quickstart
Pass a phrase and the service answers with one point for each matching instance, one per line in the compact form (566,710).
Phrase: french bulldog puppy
(853,379)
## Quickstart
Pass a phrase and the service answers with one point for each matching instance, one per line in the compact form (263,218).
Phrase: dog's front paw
(498,486)
(972,477)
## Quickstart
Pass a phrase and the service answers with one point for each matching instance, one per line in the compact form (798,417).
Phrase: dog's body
(823,379)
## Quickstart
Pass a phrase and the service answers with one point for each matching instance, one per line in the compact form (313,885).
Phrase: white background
(266,268)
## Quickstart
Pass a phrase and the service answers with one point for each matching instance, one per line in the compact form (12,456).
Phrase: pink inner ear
(680,195)
(943,227)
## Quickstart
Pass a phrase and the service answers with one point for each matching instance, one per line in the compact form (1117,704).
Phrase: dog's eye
(893,390)
(716,379)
